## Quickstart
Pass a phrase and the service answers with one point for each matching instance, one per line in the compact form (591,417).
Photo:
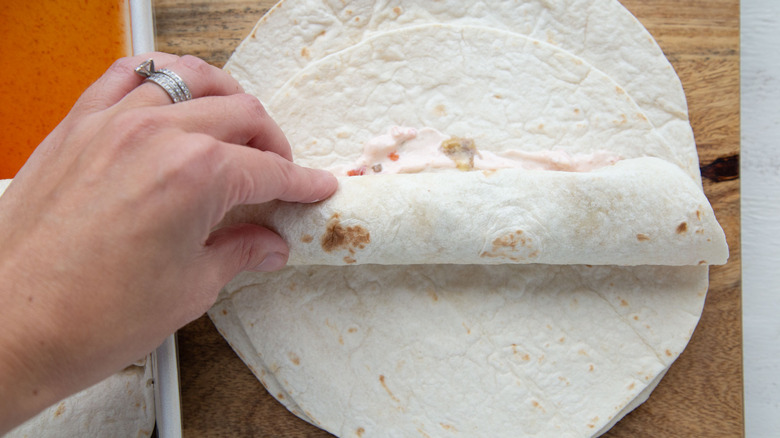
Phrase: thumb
(247,247)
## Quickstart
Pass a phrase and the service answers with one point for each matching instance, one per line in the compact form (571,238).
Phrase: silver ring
(167,80)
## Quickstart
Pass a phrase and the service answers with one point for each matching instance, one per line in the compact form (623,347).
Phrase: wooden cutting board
(701,396)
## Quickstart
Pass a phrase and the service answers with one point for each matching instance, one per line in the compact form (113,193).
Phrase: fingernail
(272,262)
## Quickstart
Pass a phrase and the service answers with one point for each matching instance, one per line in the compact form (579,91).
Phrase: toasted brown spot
(642,237)
(397,10)
(351,330)
(498,96)
(562,339)
(590,367)
(307,238)
(349,260)
(624,303)
(526,357)
(342,135)
(447,427)
(632,385)
(468,329)
(641,116)
(224,311)
(341,340)
(576,110)
(668,353)
(338,237)
(305,53)
(384,385)
(702,262)
(698,215)
(280,396)
(636,317)
(683,227)
(294,358)
(440,110)
(619,90)
(360,431)
(432,294)
(582,352)
(60,409)
(357,19)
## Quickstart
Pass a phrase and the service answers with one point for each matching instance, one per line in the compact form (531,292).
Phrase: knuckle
(195,64)
(251,105)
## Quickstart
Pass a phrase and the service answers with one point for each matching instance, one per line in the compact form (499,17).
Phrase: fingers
(239,119)
(251,176)
(245,247)
(119,80)
(201,78)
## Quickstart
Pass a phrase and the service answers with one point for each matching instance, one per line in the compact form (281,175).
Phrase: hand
(107,246)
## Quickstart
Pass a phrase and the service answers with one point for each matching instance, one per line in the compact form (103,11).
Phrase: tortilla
(119,406)
(478,350)
(643,211)
(295,33)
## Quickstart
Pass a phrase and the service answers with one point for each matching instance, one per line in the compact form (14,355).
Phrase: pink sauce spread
(410,150)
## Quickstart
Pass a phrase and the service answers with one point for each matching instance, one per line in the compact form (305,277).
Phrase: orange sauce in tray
(51,51)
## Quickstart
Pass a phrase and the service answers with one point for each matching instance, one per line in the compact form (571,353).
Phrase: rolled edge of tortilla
(642,211)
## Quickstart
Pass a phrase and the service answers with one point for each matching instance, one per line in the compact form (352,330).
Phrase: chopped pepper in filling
(410,150)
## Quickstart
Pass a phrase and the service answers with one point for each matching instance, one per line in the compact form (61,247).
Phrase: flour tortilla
(503,90)
(296,33)
(476,350)
(119,406)
(643,211)
(493,351)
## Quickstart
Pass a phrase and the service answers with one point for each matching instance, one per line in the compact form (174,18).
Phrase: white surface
(165,363)
(760,179)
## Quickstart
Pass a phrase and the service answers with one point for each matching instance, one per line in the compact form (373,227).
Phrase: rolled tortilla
(642,211)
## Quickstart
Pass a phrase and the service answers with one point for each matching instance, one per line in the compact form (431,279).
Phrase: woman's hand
(107,246)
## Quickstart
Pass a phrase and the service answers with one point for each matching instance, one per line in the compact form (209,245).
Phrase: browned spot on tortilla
(294,358)
(280,396)
(342,135)
(352,330)
(468,329)
(307,238)
(349,260)
(488,172)
(576,110)
(642,237)
(632,385)
(357,19)
(384,385)
(526,357)
(305,52)
(348,11)
(60,409)
(623,120)
(432,294)
(641,116)
(440,110)
(582,352)
(448,427)
(624,303)
(397,10)
(498,96)
(668,353)
(590,367)
(541,126)
(619,90)
(360,431)
(338,237)
(702,262)
(683,227)
(698,214)
(562,339)
(341,340)
(636,317)
(536,404)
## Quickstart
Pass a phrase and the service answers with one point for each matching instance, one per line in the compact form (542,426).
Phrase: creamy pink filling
(410,150)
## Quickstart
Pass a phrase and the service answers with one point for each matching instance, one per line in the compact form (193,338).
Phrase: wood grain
(702,392)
